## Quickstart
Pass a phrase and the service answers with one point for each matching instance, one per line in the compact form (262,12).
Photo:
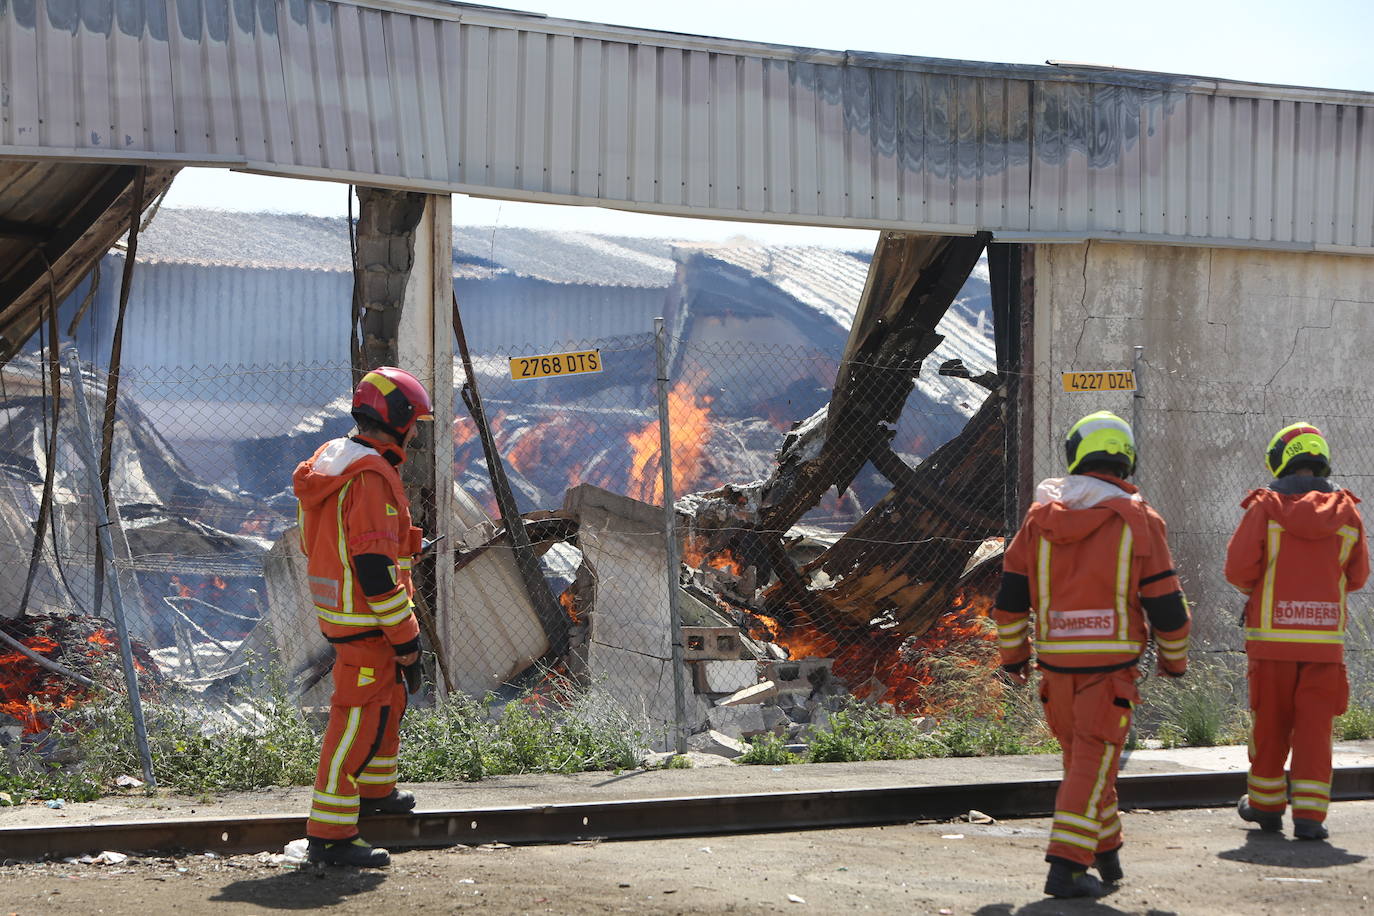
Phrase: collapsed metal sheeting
(937,515)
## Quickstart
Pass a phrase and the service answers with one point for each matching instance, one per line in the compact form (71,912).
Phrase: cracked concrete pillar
(386,252)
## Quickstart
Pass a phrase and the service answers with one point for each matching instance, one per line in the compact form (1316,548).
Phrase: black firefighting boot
(1304,828)
(1108,865)
(1269,821)
(1066,880)
(357,852)
(398,802)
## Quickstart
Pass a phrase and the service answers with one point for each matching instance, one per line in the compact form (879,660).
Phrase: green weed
(768,750)
(1355,724)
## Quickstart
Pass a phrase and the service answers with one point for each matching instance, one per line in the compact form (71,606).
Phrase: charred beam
(911,283)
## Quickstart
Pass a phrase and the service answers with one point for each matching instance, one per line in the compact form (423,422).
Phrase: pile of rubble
(31,696)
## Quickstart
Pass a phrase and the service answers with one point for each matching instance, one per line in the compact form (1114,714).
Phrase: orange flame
(689,417)
(570,605)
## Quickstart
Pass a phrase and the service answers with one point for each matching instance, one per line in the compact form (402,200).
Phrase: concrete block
(737,721)
(711,643)
(713,742)
(759,693)
(774,719)
(724,676)
(800,675)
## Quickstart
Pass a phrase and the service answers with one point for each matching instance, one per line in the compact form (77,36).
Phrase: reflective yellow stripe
(1123,578)
(1108,751)
(376,760)
(1011,629)
(344,563)
(403,562)
(1272,543)
(1267,782)
(340,801)
(329,817)
(1328,637)
(1073,646)
(1267,798)
(1311,786)
(389,604)
(1043,582)
(346,620)
(1348,537)
(392,619)
(1078,820)
(355,715)
(373,779)
(1073,839)
(1180,643)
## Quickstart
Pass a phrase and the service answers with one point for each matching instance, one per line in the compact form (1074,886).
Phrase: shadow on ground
(305,889)
(1054,907)
(1275,849)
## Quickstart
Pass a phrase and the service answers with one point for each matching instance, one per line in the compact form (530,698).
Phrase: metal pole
(1137,397)
(86,446)
(670,535)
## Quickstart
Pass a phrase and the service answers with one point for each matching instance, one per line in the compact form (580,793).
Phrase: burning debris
(31,695)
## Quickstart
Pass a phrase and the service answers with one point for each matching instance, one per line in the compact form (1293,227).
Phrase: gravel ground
(1187,862)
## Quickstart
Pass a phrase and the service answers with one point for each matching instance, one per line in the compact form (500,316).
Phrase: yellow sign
(523,367)
(1118,380)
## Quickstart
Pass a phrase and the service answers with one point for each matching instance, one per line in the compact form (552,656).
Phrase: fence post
(1137,397)
(85,445)
(670,534)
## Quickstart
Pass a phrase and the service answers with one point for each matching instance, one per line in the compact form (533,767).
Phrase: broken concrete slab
(713,742)
(758,693)
(629,627)
(801,675)
(737,721)
(724,676)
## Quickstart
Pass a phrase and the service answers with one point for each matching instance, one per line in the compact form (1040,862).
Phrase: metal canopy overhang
(445,97)
(56,220)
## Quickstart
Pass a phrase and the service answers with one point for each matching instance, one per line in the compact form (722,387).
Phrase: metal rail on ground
(649,817)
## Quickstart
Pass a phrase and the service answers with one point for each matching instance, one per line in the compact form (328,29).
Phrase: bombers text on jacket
(1092,559)
(1298,551)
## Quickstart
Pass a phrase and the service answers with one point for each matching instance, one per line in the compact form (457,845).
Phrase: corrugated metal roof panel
(445,97)
(296,242)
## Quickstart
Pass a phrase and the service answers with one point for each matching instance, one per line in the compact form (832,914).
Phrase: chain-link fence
(839,528)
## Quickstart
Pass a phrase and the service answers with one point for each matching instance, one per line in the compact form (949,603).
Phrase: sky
(1322,43)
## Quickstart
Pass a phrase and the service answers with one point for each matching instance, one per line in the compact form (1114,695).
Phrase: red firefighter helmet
(393,398)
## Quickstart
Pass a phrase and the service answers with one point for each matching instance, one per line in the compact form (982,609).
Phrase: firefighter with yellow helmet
(1299,550)
(1092,560)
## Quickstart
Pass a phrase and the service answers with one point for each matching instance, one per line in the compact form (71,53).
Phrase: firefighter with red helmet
(358,538)
(1092,560)
(1299,550)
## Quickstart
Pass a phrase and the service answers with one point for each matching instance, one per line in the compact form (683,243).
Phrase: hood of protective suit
(320,477)
(1069,509)
(1306,507)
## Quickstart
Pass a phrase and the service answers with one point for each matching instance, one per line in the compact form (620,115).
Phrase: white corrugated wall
(442,97)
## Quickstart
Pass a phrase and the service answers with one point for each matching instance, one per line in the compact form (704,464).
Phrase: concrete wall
(1238,344)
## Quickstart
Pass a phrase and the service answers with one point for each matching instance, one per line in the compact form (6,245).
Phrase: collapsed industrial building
(789,472)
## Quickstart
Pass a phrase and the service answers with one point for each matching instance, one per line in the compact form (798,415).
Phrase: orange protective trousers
(357,758)
(1294,704)
(1090,714)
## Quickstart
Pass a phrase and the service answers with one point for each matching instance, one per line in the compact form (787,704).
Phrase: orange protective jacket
(352,504)
(1092,559)
(1298,551)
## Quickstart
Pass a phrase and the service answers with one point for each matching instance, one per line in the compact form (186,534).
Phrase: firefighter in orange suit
(356,532)
(1298,551)
(1091,559)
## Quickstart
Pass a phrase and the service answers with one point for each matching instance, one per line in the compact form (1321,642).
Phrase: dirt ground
(1186,862)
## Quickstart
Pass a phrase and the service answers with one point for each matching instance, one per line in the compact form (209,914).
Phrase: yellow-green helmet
(1101,436)
(1300,445)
